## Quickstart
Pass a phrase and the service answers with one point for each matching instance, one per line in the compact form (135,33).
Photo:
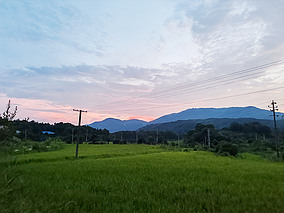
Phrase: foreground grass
(134,178)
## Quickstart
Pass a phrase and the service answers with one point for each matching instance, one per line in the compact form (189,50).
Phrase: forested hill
(206,113)
(183,126)
(115,125)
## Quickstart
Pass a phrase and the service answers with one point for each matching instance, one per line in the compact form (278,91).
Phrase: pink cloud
(47,111)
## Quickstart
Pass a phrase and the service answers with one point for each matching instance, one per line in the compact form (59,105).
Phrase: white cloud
(136,82)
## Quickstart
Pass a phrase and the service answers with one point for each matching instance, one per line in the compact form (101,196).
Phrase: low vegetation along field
(139,178)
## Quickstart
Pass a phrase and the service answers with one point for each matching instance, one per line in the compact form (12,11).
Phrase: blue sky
(138,59)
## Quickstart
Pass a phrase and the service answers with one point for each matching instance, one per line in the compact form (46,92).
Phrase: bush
(50,144)
(122,142)
(199,147)
(54,144)
(39,147)
(173,143)
(100,142)
(226,149)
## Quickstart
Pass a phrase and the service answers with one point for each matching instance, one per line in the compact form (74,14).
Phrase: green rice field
(139,178)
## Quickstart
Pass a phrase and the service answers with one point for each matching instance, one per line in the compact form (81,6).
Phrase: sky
(131,59)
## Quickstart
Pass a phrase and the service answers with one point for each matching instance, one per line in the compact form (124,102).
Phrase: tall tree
(6,128)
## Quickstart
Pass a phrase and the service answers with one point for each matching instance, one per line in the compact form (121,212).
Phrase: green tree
(6,127)
(200,135)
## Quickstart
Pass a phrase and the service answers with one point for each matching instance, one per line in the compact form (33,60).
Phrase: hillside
(205,113)
(183,126)
(115,125)
(194,114)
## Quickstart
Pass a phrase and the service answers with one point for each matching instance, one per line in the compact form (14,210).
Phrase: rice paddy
(140,178)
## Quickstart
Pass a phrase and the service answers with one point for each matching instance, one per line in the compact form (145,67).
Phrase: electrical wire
(226,79)
(200,101)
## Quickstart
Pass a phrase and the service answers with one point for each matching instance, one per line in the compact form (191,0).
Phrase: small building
(48,132)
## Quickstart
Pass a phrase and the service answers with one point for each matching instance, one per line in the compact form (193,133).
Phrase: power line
(223,77)
(212,99)
(197,84)
(216,80)
(234,77)
(203,100)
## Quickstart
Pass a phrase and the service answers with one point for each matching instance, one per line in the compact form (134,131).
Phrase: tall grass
(12,193)
(136,178)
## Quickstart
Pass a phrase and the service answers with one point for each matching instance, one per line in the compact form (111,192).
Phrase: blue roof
(48,132)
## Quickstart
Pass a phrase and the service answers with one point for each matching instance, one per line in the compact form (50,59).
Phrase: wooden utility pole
(86,136)
(136,136)
(157,138)
(80,115)
(274,108)
(208,135)
(72,135)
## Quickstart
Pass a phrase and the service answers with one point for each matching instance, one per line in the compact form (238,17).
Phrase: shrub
(200,147)
(173,143)
(115,142)
(54,144)
(225,149)
(100,142)
(122,142)
(50,144)
(39,147)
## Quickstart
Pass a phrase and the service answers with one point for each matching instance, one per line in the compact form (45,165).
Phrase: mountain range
(231,113)
(183,126)
(115,125)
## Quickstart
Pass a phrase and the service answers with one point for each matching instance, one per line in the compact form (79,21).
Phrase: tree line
(252,136)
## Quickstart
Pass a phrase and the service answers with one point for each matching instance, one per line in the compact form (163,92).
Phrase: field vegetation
(119,176)
(139,178)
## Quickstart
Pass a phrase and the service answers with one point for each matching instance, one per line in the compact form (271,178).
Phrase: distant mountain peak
(114,125)
(206,113)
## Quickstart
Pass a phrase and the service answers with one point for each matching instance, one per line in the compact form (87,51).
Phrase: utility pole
(80,115)
(274,108)
(25,134)
(157,138)
(87,136)
(136,137)
(208,134)
(72,135)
